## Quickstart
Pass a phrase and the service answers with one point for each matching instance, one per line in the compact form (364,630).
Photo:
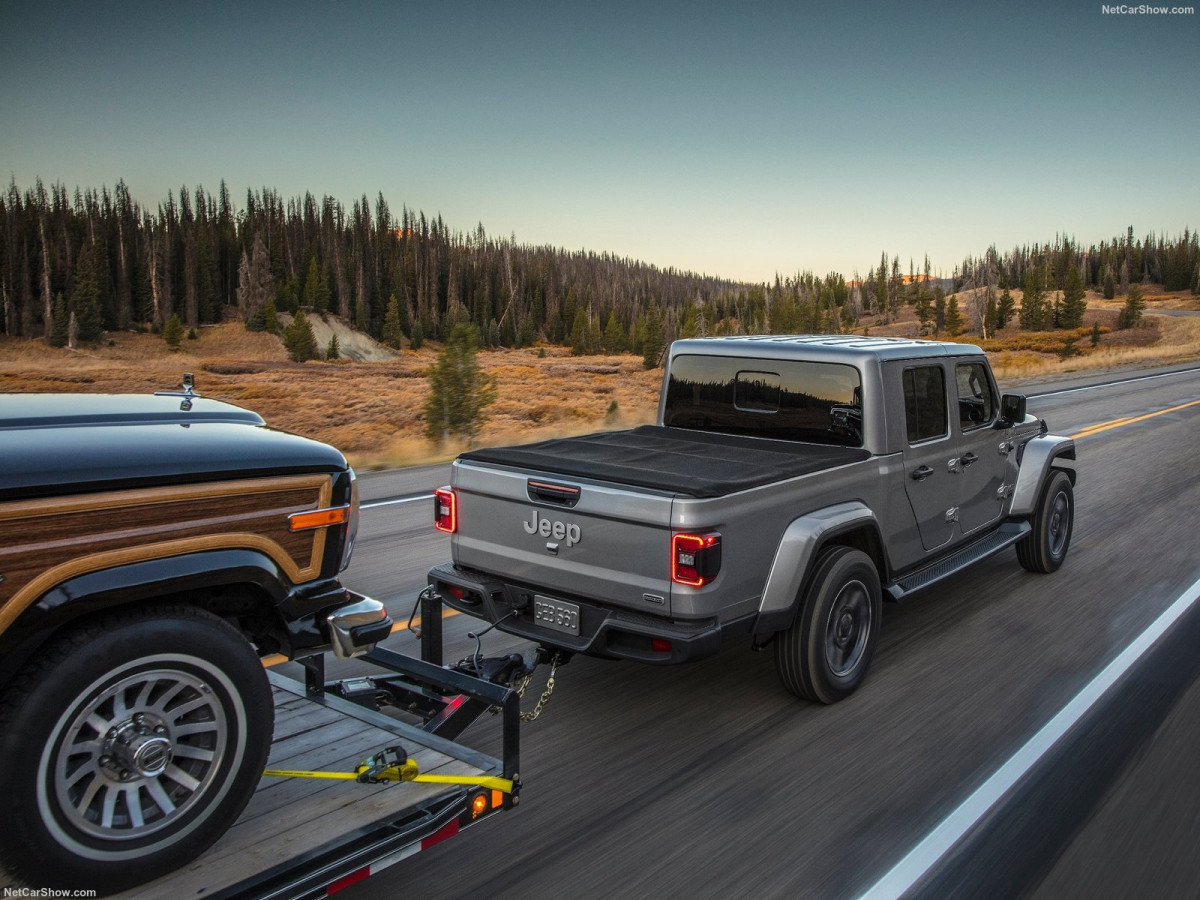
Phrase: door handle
(921,473)
(967,458)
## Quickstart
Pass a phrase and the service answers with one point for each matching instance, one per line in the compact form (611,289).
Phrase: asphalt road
(708,780)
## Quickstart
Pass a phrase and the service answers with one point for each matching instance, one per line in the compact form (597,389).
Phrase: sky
(737,140)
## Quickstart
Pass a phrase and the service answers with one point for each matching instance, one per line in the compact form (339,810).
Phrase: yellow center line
(276,658)
(1117,423)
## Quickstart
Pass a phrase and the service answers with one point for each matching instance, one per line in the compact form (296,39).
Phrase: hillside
(373,409)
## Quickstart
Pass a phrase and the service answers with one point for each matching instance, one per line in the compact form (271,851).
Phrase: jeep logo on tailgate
(553,528)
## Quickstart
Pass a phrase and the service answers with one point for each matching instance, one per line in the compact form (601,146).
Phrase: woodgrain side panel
(45,542)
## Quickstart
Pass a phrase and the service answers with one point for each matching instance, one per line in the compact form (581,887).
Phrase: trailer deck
(306,825)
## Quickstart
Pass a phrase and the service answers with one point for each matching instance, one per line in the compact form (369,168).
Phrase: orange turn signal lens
(479,805)
(318,518)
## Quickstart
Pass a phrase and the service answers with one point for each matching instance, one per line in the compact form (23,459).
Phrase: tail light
(445,510)
(695,558)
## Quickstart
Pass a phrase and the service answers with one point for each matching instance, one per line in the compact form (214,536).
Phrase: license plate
(558,615)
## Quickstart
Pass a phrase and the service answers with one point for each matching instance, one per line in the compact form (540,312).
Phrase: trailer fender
(1038,457)
(794,556)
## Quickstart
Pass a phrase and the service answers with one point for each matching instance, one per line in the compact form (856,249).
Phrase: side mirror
(1012,410)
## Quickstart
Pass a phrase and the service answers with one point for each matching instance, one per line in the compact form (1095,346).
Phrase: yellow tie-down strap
(385,767)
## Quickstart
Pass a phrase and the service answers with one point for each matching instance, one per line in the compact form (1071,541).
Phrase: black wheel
(129,746)
(825,654)
(1045,548)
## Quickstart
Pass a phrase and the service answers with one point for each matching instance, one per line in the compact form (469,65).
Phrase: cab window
(976,400)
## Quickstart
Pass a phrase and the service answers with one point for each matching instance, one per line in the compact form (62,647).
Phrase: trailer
(356,788)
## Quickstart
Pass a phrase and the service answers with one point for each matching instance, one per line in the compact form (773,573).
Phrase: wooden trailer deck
(289,818)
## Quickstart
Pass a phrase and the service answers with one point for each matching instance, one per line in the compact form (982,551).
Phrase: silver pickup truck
(790,485)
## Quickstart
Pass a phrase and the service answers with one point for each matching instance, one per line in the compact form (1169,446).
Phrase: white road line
(394,502)
(1108,384)
(922,858)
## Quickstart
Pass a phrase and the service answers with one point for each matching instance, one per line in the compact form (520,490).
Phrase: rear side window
(925,403)
(820,403)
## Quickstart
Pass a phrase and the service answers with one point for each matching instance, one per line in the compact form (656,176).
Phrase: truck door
(930,457)
(981,455)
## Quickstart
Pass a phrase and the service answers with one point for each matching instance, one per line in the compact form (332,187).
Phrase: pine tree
(173,332)
(59,323)
(1131,312)
(1110,285)
(1074,301)
(334,350)
(652,340)
(1033,303)
(1005,309)
(85,301)
(312,283)
(270,317)
(579,332)
(459,391)
(298,339)
(954,319)
(614,334)
(391,323)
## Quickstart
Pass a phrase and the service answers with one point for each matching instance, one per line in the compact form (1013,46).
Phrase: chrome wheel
(139,752)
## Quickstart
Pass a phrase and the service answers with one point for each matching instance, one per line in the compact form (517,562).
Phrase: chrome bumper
(356,628)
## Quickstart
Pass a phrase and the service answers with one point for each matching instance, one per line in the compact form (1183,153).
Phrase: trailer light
(445,510)
(695,558)
(497,799)
(660,645)
(479,805)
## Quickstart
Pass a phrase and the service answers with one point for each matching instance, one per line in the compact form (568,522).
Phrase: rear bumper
(603,631)
(357,627)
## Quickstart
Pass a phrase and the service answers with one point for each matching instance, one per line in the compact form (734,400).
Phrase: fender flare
(108,588)
(795,555)
(1038,457)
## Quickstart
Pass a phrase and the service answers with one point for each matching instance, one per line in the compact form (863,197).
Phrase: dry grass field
(372,411)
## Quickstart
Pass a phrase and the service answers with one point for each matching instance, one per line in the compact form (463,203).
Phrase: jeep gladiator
(790,485)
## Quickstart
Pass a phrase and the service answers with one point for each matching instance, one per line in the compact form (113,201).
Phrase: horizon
(736,144)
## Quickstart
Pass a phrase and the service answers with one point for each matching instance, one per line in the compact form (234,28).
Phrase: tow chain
(542,700)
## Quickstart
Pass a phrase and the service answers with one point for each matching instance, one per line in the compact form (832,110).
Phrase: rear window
(820,403)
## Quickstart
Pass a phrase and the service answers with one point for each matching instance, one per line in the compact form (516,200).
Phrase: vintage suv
(790,485)
(152,549)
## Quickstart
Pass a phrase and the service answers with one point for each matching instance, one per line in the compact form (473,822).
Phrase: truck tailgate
(571,536)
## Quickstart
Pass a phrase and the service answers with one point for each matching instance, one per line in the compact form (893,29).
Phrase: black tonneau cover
(677,460)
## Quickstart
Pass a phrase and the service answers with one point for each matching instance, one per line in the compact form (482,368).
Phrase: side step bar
(1004,536)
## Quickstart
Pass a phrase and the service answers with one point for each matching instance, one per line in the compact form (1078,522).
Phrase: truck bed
(673,460)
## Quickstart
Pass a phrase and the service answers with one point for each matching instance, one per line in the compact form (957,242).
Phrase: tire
(130,745)
(1044,549)
(825,654)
